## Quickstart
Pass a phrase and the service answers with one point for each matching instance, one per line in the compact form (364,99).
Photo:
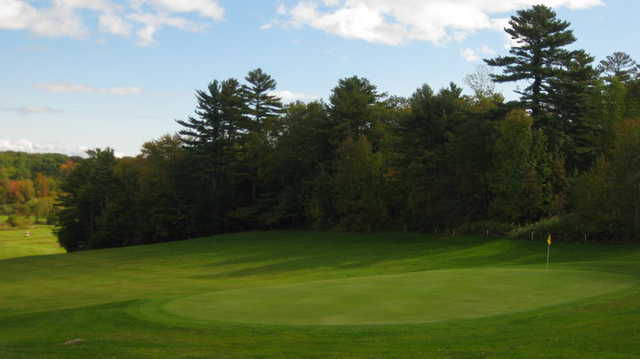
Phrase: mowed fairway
(15,243)
(325,295)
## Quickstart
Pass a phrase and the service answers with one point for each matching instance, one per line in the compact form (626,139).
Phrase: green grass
(15,243)
(325,295)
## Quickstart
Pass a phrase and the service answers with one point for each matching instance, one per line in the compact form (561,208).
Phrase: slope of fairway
(41,241)
(393,299)
(286,295)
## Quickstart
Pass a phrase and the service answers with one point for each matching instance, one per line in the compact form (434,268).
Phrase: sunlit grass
(30,241)
(385,295)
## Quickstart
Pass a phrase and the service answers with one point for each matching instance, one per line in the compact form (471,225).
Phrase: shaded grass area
(115,300)
(15,242)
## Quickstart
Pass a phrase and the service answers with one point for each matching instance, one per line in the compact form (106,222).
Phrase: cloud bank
(471,55)
(31,147)
(63,17)
(28,146)
(398,22)
(288,96)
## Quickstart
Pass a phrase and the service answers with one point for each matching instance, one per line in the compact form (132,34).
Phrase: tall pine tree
(537,57)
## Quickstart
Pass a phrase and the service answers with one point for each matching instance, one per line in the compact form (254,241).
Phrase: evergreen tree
(537,57)
(264,107)
(299,156)
(359,186)
(423,136)
(85,198)
(571,131)
(162,197)
(212,138)
(520,179)
(619,65)
(350,107)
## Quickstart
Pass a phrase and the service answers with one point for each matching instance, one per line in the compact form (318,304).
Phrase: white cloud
(153,22)
(23,145)
(65,17)
(397,22)
(266,26)
(114,24)
(16,14)
(57,20)
(31,110)
(81,88)
(486,50)
(470,55)
(288,96)
(206,8)
(281,9)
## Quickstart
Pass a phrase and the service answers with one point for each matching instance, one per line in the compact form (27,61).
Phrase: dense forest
(29,184)
(563,159)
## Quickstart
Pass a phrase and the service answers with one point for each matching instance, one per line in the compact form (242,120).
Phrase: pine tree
(88,193)
(220,120)
(264,107)
(538,56)
(212,138)
(571,131)
(619,65)
(350,107)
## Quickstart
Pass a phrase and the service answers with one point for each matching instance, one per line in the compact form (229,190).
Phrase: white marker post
(549,241)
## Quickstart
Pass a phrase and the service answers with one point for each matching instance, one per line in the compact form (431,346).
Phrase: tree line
(564,158)
(29,184)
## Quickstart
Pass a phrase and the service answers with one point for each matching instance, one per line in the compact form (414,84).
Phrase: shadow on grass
(357,254)
(277,253)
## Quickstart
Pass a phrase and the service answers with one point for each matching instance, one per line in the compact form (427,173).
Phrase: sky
(82,74)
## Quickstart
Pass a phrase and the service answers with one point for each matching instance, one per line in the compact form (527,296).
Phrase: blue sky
(80,74)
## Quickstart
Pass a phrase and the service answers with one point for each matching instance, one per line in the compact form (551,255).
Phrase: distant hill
(22,165)
(29,184)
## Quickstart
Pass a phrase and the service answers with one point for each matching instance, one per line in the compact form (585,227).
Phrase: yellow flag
(549,240)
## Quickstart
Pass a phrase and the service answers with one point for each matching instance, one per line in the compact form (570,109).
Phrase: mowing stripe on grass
(395,299)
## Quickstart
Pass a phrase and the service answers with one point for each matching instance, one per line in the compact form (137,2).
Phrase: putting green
(393,299)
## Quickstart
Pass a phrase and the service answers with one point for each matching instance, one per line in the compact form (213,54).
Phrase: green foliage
(625,171)
(485,228)
(85,203)
(439,140)
(514,180)
(541,39)
(359,186)
(263,107)
(619,66)
(527,181)
(20,165)
(28,182)
(18,221)
(609,194)
(573,228)
(591,193)
(351,103)
(437,161)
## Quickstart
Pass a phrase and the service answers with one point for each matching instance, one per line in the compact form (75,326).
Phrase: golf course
(37,240)
(311,294)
